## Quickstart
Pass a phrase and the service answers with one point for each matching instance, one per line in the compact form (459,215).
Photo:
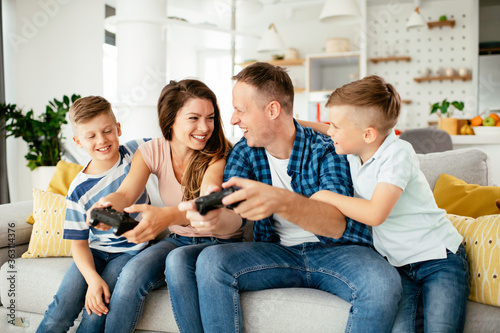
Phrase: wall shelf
(403,58)
(436,24)
(442,78)
(282,62)
(406,101)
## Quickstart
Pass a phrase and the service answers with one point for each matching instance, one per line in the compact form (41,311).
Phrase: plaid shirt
(313,166)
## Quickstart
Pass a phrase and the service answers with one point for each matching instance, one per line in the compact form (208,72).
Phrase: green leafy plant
(43,134)
(443,108)
(443,18)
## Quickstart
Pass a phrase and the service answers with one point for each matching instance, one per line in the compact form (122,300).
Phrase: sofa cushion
(460,198)
(49,211)
(61,180)
(482,243)
(470,165)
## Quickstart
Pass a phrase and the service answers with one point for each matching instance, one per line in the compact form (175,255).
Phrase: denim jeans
(441,288)
(70,297)
(181,279)
(357,274)
(138,278)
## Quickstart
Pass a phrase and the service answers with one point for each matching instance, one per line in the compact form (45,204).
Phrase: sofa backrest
(471,165)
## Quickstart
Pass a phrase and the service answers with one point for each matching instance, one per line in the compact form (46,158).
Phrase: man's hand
(154,221)
(217,221)
(259,200)
(101,203)
(203,223)
(97,289)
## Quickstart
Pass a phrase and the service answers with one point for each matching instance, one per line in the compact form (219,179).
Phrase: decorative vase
(41,176)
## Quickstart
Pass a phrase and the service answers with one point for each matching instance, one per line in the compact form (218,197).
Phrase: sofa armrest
(13,227)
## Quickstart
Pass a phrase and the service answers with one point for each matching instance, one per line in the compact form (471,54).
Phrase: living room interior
(127,50)
(54,48)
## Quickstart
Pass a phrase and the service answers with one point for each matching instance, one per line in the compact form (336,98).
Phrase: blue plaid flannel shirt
(313,166)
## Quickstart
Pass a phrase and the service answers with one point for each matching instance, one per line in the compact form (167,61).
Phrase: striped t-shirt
(85,190)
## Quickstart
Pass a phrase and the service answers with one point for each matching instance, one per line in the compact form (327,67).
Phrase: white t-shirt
(290,234)
(416,229)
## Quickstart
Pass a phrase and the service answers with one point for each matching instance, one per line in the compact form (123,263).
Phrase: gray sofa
(27,291)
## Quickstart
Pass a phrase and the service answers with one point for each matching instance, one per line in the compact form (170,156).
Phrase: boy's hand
(97,289)
(101,203)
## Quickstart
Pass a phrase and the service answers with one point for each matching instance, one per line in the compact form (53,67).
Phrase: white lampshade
(340,11)
(271,40)
(416,20)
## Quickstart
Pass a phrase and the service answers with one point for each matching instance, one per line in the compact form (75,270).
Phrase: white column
(141,65)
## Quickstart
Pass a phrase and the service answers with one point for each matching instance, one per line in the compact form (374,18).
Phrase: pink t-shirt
(157,156)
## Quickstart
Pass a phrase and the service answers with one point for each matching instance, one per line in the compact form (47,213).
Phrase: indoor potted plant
(446,122)
(43,134)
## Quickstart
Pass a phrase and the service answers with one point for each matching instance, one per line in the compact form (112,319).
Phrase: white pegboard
(435,49)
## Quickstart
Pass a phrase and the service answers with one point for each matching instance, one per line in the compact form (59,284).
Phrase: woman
(189,158)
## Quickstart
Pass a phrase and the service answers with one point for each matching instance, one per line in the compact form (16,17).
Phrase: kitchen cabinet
(326,72)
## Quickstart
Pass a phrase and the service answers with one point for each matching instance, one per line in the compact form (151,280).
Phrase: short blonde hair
(375,100)
(86,108)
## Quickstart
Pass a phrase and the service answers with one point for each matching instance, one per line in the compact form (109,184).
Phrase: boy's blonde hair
(377,103)
(86,108)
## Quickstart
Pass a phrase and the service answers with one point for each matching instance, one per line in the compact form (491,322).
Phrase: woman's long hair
(172,98)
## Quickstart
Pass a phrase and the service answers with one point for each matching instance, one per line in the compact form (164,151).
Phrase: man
(298,241)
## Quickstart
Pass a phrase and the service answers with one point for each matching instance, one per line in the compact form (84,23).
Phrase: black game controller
(119,222)
(214,201)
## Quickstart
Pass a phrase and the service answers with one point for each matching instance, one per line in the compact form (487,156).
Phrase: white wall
(53,48)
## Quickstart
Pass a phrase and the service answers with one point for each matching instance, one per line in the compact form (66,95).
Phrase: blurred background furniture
(428,140)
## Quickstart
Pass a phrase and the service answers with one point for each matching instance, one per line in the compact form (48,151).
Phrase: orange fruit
(476,121)
(495,116)
(498,124)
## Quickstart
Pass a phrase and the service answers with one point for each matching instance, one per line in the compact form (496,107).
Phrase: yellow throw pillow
(457,197)
(61,180)
(482,243)
(49,210)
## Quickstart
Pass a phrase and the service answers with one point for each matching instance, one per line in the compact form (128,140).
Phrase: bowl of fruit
(489,125)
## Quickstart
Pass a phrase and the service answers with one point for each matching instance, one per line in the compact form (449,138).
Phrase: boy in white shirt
(392,195)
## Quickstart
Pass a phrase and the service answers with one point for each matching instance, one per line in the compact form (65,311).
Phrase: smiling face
(100,138)
(346,133)
(250,117)
(194,124)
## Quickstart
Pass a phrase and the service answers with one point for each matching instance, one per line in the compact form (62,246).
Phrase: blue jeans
(70,297)
(181,279)
(138,278)
(357,274)
(438,290)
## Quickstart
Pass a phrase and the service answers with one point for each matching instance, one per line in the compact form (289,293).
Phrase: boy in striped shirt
(99,256)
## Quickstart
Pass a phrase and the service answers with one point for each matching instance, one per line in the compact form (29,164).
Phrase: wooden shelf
(376,60)
(441,78)
(492,50)
(283,62)
(299,90)
(436,24)
(406,101)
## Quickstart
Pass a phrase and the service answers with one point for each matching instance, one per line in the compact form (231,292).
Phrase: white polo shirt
(416,229)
